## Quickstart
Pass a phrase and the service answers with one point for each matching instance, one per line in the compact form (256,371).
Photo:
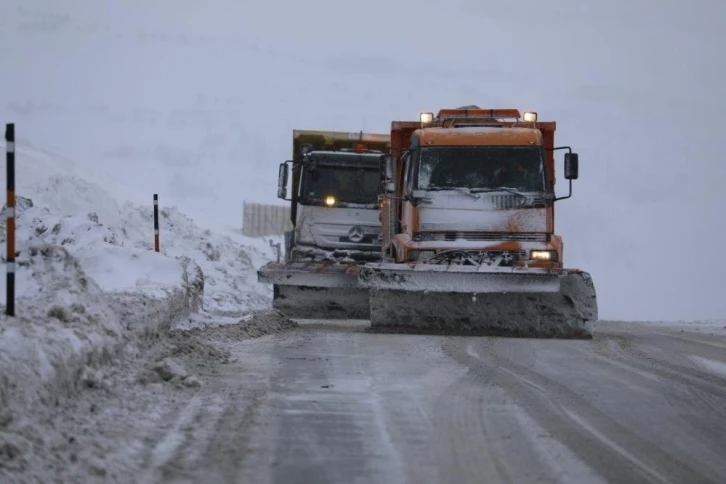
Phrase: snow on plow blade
(316,290)
(473,300)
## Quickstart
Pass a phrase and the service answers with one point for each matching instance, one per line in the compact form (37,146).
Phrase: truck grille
(480,236)
(509,202)
(367,239)
(500,258)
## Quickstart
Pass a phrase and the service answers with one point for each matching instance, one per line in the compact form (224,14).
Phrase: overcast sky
(197,101)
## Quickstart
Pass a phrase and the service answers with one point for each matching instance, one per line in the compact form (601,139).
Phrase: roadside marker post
(156,222)
(10,224)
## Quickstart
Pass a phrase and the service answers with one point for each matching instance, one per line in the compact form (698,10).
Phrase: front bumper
(501,253)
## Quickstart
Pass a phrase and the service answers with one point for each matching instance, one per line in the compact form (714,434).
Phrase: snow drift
(66,324)
(90,288)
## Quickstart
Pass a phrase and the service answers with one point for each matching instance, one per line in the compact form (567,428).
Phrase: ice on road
(329,402)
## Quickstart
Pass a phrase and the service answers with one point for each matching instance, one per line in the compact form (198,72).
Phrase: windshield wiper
(513,191)
(466,191)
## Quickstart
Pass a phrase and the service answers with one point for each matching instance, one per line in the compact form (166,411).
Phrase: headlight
(329,201)
(545,255)
(427,118)
(530,117)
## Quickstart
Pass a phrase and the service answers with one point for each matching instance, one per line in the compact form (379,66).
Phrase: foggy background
(197,101)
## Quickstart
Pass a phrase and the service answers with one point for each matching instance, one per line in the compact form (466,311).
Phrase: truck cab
(474,189)
(337,213)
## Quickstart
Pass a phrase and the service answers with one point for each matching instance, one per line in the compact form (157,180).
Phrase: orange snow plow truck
(467,227)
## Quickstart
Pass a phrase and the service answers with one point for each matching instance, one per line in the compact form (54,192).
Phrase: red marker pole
(156,222)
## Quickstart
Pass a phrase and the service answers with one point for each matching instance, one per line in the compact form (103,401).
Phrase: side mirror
(282,181)
(389,185)
(571,166)
(388,161)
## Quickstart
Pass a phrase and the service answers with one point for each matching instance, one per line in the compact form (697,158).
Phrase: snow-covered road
(634,405)
(331,402)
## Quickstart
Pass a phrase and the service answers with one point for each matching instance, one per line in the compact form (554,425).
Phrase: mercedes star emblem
(356,233)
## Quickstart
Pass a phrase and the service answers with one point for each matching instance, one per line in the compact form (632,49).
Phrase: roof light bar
(479,113)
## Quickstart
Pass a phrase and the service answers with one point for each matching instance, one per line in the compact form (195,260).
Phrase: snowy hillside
(198,105)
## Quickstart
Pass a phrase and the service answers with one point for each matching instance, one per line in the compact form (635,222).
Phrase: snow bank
(229,267)
(66,325)
(89,286)
(64,321)
(114,244)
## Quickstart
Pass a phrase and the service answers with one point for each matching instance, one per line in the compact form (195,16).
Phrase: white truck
(336,179)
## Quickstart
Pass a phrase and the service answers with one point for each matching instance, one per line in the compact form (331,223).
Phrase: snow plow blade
(316,290)
(471,300)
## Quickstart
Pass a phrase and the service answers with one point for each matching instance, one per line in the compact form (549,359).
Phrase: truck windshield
(348,185)
(480,167)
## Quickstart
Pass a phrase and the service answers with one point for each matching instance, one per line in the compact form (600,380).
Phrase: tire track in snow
(332,423)
(506,444)
(209,436)
(686,383)
(546,400)
(468,452)
(628,350)
(167,448)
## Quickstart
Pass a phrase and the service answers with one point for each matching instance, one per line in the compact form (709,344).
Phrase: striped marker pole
(10,258)
(156,222)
